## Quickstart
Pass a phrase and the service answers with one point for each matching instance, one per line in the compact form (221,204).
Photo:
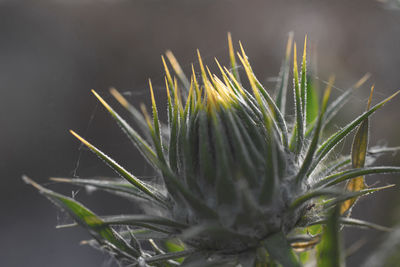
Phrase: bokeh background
(52,52)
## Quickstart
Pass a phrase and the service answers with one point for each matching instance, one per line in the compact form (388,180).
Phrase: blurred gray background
(53,52)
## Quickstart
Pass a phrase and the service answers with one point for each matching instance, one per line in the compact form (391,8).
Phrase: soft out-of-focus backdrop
(52,52)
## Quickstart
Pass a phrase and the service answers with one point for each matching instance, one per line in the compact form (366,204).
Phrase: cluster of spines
(216,94)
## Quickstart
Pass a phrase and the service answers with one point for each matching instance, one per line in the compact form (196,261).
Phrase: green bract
(240,184)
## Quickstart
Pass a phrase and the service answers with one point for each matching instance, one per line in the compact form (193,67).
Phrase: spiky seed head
(238,178)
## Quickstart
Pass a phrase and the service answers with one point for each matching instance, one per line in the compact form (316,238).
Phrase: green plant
(239,185)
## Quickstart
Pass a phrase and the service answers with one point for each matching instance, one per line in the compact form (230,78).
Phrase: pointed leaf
(339,102)
(279,249)
(340,195)
(354,223)
(358,156)
(156,132)
(178,70)
(168,77)
(136,139)
(86,218)
(141,218)
(299,125)
(349,174)
(174,127)
(278,121)
(350,195)
(303,81)
(146,189)
(137,116)
(232,58)
(329,252)
(337,137)
(115,186)
(312,103)
(225,188)
(284,77)
(314,142)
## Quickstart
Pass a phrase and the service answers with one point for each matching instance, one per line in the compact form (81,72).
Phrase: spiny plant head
(240,184)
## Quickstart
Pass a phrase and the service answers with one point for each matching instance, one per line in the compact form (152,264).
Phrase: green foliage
(242,185)
(329,252)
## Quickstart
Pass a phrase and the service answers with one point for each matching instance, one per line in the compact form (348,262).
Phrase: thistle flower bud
(239,179)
